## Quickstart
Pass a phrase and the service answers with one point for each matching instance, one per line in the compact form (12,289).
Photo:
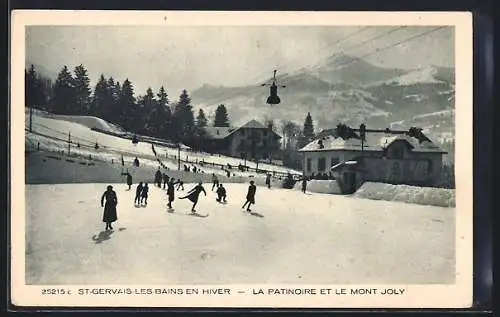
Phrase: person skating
(193,195)
(171,192)
(215,181)
(109,215)
(158,178)
(250,196)
(180,184)
(129,180)
(268,181)
(165,179)
(144,194)
(138,192)
(221,193)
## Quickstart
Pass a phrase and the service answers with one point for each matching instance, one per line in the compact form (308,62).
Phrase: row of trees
(152,114)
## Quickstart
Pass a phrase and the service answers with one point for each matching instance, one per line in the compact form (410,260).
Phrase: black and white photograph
(279,155)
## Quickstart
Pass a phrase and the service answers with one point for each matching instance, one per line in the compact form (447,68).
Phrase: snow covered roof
(219,132)
(373,142)
(224,132)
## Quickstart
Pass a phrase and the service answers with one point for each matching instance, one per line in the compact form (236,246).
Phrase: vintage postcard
(241,159)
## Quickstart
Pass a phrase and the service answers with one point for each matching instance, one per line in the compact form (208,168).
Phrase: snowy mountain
(341,88)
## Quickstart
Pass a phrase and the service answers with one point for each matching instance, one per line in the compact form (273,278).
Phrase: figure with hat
(109,215)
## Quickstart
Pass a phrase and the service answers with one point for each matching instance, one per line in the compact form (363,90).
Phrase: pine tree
(201,119)
(308,131)
(64,99)
(127,111)
(82,90)
(31,89)
(100,99)
(221,117)
(184,117)
(147,110)
(163,113)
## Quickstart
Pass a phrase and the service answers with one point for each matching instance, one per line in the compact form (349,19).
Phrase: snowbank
(321,186)
(409,194)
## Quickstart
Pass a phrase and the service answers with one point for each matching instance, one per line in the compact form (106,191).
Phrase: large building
(251,140)
(394,157)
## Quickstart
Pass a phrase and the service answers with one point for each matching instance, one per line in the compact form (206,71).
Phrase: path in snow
(296,239)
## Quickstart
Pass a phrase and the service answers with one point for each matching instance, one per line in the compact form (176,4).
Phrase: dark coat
(110,206)
(129,179)
(171,191)
(138,191)
(268,179)
(194,193)
(251,193)
(144,192)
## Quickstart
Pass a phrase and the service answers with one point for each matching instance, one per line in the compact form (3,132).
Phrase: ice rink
(290,238)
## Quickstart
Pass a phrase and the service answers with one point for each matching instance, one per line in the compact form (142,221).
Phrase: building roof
(373,142)
(224,132)
(253,124)
(219,132)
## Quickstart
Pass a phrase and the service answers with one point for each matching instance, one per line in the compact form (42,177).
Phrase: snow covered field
(53,136)
(291,238)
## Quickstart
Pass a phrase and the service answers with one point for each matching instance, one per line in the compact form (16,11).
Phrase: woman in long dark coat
(171,192)
(109,215)
(193,195)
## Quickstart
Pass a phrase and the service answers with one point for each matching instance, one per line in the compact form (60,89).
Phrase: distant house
(251,140)
(392,157)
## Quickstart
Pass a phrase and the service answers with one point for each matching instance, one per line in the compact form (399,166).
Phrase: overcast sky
(187,57)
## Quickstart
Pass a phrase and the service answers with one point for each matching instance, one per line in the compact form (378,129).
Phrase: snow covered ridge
(440,197)
(423,75)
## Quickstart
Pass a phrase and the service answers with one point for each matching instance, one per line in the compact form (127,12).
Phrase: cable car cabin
(273,98)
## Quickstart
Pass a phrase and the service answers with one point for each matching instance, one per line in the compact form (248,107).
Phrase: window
(321,164)
(308,164)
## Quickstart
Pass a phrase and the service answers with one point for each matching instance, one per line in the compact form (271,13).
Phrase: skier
(268,180)
(109,215)
(221,193)
(193,195)
(215,181)
(165,179)
(129,180)
(144,194)
(136,162)
(138,193)
(171,192)
(181,184)
(250,196)
(158,177)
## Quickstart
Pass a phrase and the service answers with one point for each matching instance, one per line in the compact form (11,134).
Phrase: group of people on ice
(109,199)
